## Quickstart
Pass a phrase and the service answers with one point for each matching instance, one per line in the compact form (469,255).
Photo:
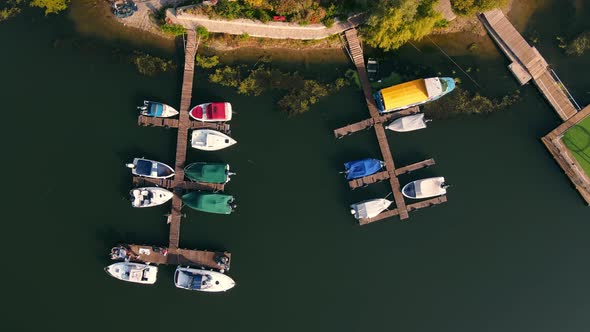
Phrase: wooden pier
(527,63)
(376,122)
(561,154)
(177,184)
(378,177)
(175,256)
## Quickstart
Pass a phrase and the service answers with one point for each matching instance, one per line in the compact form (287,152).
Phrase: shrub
(203,32)
(207,62)
(173,29)
(579,45)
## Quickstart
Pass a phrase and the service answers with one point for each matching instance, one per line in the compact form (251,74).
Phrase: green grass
(577,140)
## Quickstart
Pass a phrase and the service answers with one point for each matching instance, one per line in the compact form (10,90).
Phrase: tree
(394,22)
(51,6)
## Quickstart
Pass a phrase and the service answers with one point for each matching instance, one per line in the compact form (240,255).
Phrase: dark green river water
(508,252)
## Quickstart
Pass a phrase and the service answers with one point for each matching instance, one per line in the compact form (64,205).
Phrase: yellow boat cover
(404,94)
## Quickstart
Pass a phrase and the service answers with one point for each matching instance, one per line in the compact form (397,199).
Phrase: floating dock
(177,184)
(376,122)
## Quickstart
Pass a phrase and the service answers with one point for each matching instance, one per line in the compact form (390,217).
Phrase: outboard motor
(445,185)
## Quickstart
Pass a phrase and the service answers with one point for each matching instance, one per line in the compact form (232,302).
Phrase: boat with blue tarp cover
(202,280)
(360,168)
(157,110)
(150,169)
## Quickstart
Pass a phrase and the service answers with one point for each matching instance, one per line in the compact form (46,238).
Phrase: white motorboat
(408,123)
(210,140)
(133,272)
(212,112)
(370,208)
(149,196)
(202,280)
(157,110)
(425,188)
(150,169)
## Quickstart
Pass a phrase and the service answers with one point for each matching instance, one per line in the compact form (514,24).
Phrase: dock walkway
(376,122)
(527,62)
(177,184)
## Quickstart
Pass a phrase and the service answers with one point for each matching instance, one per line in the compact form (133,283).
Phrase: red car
(278,18)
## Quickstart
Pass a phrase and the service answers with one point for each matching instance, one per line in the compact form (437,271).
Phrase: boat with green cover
(208,172)
(210,202)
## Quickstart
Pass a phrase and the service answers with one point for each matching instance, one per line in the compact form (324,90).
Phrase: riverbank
(235,34)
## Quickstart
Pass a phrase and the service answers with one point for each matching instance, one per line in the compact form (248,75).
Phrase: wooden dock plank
(176,256)
(411,207)
(414,167)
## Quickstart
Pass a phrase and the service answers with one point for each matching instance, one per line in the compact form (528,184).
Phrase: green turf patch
(577,140)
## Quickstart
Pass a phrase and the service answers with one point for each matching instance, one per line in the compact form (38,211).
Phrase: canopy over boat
(208,172)
(156,109)
(210,140)
(364,167)
(150,168)
(210,202)
(370,208)
(425,188)
(149,196)
(408,123)
(202,280)
(133,272)
(213,112)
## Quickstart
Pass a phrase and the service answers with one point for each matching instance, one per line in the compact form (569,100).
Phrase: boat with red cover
(212,112)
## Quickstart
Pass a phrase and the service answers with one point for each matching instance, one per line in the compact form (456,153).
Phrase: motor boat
(133,272)
(212,112)
(210,140)
(150,169)
(408,123)
(360,168)
(208,172)
(149,196)
(425,188)
(210,202)
(370,208)
(202,280)
(157,110)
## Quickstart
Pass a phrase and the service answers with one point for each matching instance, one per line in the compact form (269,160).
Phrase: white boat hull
(133,272)
(370,208)
(210,140)
(425,188)
(149,196)
(202,280)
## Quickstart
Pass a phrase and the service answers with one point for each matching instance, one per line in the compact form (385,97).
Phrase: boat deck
(376,122)
(176,256)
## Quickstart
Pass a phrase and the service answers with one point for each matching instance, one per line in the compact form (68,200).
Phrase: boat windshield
(444,84)
(143,167)
(410,190)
